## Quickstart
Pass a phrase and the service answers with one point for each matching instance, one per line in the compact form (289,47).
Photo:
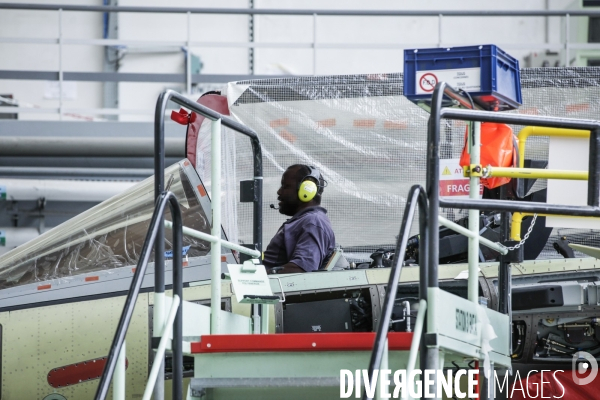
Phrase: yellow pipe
(529,173)
(515,225)
(542,131)
(517,219)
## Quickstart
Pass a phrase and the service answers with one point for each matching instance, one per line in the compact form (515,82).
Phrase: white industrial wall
(409,31)
(45,57)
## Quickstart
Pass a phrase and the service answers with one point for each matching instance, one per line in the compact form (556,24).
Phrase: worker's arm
(289,268)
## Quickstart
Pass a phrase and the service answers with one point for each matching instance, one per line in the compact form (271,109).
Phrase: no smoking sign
(427,82)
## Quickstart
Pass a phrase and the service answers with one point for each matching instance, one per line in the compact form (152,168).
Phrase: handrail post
(119,376)
(177,344)
(215,247)
(158,321)
(594,168)
(423,274)
(134,291)
(433,178)
(473,242)
(416,196)
(430,356)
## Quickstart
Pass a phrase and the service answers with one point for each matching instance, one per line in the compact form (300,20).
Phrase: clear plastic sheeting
(108,236)
(370,143)
(365,138)
(560,92)
(229,181)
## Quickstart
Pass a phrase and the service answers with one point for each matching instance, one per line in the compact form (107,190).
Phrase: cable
(470,98)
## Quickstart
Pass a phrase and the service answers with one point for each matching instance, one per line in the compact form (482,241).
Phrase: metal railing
(429,209)
(216,120)
(156,225)
(416,196)
(159,128)
(438,113)
(188,78)
(155,237)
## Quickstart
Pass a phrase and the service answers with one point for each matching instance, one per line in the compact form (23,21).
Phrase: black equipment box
(318,316)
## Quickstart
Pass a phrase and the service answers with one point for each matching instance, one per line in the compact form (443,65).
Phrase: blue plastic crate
(489,74)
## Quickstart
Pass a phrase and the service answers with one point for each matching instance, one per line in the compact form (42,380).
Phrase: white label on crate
(468,79)
(453,185)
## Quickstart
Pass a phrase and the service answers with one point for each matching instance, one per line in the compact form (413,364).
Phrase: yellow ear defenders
(308,189)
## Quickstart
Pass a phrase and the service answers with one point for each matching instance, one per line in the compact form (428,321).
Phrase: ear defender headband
(307,190)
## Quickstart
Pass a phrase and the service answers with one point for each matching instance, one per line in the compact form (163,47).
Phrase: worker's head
(301,187)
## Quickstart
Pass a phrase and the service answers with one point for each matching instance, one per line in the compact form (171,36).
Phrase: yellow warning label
(446,171)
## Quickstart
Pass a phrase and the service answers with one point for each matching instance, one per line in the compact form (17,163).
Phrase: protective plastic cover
(108,236)
(369,142)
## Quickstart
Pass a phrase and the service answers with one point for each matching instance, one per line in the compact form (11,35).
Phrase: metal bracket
(431,340)
(473,170)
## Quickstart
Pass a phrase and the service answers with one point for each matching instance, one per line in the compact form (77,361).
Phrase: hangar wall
(345,44)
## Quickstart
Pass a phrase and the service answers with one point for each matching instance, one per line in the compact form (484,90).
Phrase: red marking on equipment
(288,342)
(78,373)
(44,287)
(133,270)
(279,122)
(223,258)
(427,82)
(181,117)
(326,123)
(571,108)
(287,135)
(186,163)
(456,187)
(201,190)
(395,125)
(364,123)
(488,99)
(184,264)
(92,278)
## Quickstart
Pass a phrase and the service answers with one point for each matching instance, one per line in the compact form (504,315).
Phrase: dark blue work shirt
(305,240)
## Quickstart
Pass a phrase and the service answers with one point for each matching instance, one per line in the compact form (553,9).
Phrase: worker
(304,241)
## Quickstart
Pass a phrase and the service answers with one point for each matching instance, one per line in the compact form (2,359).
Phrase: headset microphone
(273,207)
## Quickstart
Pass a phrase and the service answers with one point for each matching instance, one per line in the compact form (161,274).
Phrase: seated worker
(303,241)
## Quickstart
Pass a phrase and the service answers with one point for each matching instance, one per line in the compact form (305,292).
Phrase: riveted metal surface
(37,340)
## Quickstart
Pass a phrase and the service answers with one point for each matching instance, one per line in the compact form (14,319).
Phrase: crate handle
(503,65)
(450,58)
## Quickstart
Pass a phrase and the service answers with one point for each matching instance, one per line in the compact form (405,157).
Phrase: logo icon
(584,364)
(317,328)
(427,82)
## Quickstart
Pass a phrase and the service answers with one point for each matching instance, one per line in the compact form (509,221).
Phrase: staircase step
(289,342)
(201,383)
